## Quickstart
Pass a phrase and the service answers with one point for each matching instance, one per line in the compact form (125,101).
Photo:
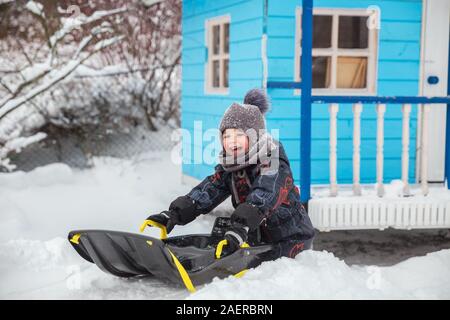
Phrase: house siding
(245,70)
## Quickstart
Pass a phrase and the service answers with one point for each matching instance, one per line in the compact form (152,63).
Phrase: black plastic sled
(189,260)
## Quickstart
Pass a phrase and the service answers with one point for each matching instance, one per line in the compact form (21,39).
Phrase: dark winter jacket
(275,195)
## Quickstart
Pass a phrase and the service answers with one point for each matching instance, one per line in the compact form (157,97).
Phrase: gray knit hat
(249,115)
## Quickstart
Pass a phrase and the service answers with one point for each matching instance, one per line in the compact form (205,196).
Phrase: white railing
(380,110)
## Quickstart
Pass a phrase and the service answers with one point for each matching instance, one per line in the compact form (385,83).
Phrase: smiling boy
(254,169)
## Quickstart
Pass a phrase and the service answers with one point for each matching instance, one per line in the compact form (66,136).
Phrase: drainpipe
(306,75)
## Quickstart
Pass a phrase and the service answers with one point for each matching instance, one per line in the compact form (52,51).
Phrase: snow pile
(117,194)
(39,208)
(320,275)
(393,190)
(31,269)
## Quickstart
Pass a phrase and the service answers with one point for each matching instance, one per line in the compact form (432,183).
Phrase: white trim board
(434,62)
(209,24)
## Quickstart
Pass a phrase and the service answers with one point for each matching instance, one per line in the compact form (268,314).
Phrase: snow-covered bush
(94,67)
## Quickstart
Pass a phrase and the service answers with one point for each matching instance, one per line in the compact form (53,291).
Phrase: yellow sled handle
(152,223)
(223,243)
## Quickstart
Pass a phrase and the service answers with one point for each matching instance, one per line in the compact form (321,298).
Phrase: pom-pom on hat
(249,115)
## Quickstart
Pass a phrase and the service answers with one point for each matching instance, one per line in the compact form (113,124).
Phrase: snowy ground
(39,208)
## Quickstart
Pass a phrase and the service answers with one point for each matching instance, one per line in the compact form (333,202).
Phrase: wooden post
(381,109)
(333,109)
(406,110)
(357,109)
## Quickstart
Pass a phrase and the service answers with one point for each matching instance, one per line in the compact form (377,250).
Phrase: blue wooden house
(360,48)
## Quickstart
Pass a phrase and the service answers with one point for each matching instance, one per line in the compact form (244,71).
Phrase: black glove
(186,209)
(247,215)
(167,218)
(235,236)
(181,211)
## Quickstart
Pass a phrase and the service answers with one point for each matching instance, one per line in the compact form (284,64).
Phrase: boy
(254,169)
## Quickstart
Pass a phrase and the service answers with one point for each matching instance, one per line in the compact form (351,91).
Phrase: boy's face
(235,142)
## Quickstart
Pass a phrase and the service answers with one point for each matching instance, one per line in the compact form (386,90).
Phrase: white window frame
(371,52)
(209,24)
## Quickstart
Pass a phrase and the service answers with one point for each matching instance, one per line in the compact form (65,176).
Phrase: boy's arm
(211,192)
(203,198)
(200,200)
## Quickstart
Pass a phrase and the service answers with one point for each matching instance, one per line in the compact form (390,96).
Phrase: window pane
(225,73)
(352,72)
(321,72)
(216,74)
(226,37)
(322,31)
(216,39)
(353,32)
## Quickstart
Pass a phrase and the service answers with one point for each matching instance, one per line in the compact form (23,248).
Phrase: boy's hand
(166,218)
(235,236)
(247,215)
(185,209)
(181,211)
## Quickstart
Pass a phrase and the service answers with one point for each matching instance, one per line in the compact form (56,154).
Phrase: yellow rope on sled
(183,273)
(241,273)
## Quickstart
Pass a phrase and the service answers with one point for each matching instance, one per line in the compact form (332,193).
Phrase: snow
(151,2)
(55,76)
(393,194)
(40,207)
(320,275)
(19,143)
(36,8)
(393,190)
(85,71)
(35,71)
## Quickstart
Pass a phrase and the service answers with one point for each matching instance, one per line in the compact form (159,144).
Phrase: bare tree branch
(72,24)
(23,85)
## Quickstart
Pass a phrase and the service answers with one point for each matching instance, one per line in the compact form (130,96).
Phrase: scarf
(259,152)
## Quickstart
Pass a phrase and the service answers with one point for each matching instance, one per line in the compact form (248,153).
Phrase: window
(344,54)
(218,45)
